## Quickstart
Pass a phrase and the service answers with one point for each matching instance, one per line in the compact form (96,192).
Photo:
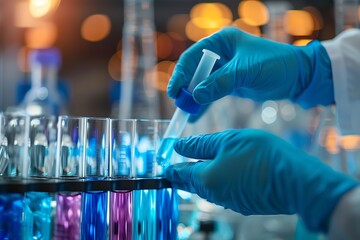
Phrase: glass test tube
(38,208)
(69,166)
(121,152)
(144,201)
(166,199)
(14,134)
(14,141)
(96,154)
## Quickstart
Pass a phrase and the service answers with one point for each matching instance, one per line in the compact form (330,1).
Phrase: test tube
(182,113)
(69,166)
(166,198)
(144,201)
(121,156)
(14,143)
(42,150)
(96,154)
(13,164)
(37,205)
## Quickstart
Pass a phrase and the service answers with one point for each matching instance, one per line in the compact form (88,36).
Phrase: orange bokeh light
(298,23)
(302,42)
(241,24)
(42,36)
(95,27)
(164,45)
(253,13)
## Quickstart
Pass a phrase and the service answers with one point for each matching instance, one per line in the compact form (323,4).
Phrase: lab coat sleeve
(345,220)
(344,53)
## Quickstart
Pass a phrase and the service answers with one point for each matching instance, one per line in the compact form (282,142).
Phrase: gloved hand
(255,172)
(257,68)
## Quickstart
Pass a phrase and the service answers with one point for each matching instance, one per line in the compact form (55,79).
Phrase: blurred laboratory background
(102,44)
(89,36)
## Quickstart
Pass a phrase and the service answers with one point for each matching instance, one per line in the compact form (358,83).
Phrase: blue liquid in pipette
(165,151)
(37,215)
(94,215)
(11,209)
(144,215)
(166,214)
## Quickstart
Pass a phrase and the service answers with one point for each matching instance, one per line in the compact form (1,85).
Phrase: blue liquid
(94,216)
(37,216)
(144,215)
(165,151)
(11,209)
(166,214)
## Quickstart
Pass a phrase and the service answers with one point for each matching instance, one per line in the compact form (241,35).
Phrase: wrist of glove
(254,172)
(315,76)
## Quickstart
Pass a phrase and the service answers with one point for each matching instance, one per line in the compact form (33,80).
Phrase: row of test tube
(86,149)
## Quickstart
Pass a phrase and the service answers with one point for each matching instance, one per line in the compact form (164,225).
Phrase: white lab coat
(344,53)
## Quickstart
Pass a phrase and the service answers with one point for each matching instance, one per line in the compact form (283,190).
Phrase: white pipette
(185,107)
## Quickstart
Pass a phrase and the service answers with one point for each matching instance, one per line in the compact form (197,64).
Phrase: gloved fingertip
(179,145)
(201,96)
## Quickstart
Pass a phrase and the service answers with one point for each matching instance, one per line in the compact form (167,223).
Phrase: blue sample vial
(166,214)
(94,215)
(186,106)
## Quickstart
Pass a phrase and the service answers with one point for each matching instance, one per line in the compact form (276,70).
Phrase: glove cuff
(320,194)
(320,90)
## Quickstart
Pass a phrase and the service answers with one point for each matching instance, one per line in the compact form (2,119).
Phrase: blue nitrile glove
(254,172)
(257,68)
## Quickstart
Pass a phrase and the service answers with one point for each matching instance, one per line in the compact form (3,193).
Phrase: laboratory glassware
(42,153)
(96,154)
(69,165)
(144,212)
(43,98)
(121,155)
(139,96)
(14,142)
(185,106)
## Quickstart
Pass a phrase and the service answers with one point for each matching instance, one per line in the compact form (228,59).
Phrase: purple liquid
(68,210)
(121,215)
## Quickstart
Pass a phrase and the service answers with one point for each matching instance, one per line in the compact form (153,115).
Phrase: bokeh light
(40,8)
(42,36)
(114,66)
(254,13)
(298,23)
(241,24)
(329,139)
(269,112)
(302,42)
(164,45)
(95,27)
(210,15)
(164,70)
(207,18)
(350,142)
